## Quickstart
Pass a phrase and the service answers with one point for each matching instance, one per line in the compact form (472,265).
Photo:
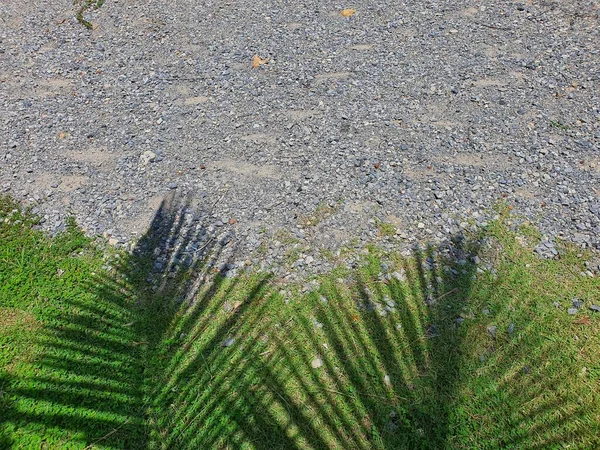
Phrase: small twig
(493,27)
(445,294)
(107,435)
(207,243)
(301,155)
(268,208)
(362,394)
(219,200)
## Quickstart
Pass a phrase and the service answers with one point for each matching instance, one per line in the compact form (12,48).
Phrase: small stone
(400,276)
(228,342)
(172,185)
(572,311)
(316,363)
(309,259)
(387,380)
(492,330)
(421,225)
(511,328)
(595,308)
(577,303)
(147,157)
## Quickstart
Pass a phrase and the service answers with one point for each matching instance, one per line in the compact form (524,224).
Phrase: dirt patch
(359,207)
(11,318)
(469,12)
(259,138)
(528,193)
(20,326)
(396,221)
(362,47)
(420,173)
(510,79)
(192,101)
(590,164)
(302,114)
(97,157)
(69,183)
(45,181)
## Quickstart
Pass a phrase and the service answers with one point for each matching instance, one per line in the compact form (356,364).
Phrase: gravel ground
(419,115)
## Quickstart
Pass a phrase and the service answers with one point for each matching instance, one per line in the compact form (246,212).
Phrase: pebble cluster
(405,120)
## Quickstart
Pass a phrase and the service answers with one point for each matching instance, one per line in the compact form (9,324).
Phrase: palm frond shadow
(262,391)
(89,382)
(174,354)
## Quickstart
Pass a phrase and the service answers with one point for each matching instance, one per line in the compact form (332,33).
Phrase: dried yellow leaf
(258,61)
(348,12)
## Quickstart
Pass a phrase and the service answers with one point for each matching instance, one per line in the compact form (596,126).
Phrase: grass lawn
(99,350)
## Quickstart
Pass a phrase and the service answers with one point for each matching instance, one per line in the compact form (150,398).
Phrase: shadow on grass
(386,356)
(87,386)
(170,352)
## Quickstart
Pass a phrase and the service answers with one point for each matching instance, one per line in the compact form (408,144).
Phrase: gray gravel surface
(418,114)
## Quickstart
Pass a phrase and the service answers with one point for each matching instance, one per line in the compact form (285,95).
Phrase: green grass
(82,7)
(386,229)
(559,125)
(100,357)
(69,365)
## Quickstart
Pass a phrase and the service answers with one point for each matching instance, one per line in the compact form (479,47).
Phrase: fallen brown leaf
(258,61)
(348,12)
(583,321)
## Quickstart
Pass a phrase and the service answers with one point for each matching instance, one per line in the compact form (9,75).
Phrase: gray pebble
(316,363)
